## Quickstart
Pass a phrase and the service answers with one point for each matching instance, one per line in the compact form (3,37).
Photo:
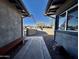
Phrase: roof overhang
(55,7)
(20,6)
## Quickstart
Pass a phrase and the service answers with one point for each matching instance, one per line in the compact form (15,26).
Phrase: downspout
(21,27)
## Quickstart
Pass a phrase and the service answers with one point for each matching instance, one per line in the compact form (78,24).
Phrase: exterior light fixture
(53,6)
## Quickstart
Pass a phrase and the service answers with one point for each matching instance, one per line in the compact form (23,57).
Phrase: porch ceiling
(54,7)
(20,6)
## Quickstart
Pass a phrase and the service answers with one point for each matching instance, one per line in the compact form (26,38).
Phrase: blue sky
(37,9)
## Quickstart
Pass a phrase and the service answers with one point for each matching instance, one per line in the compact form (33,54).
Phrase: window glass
(62,21)
(73,19)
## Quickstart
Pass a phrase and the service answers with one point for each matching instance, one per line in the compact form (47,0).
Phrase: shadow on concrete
(49,40)
(59,52)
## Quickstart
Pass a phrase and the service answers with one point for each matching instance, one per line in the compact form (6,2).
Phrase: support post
(56,25)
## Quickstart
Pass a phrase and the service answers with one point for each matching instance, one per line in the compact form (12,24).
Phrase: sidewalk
(35,48)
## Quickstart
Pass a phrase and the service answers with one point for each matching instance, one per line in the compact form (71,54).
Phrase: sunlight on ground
(50,31)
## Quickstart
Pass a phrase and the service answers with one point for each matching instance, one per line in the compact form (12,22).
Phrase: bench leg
(4,56)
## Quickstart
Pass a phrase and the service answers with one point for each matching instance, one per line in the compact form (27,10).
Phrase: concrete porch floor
(35,48)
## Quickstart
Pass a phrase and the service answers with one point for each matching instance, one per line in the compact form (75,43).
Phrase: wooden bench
(11,46)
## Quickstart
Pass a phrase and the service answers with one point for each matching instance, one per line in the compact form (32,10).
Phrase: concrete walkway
(35,48)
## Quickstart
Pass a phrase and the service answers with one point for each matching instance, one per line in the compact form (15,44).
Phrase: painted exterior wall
(10,23)
(69,40)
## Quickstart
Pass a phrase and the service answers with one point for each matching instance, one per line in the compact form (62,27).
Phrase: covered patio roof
(20,6)
(55,7)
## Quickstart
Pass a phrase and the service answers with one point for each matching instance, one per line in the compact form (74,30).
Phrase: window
(69,19)
(73,19)
(62,21)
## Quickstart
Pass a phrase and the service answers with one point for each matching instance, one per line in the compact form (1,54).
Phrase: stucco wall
(10,24)
(69,40)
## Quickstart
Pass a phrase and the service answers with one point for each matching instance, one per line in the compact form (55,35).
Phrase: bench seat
(5,50)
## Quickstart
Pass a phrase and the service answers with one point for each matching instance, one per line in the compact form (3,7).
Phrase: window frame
(66,25)
(66,20)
